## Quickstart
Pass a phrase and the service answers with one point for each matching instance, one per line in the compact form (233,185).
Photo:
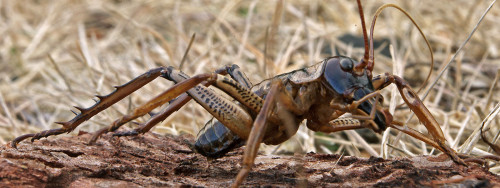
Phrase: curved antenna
(372,59)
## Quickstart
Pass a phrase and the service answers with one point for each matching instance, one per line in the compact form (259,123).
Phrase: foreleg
(423,114)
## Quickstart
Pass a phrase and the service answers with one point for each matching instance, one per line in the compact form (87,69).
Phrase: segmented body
(214,140)
(304,85)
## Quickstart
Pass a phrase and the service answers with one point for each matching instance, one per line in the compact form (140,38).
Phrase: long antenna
(365,59)
(372,58)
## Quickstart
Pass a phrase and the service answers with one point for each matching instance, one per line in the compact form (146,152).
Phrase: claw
(39,135)
(97,134)
(451,153)
(19,139)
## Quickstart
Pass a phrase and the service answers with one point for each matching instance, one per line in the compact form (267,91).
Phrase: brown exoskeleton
(272,111)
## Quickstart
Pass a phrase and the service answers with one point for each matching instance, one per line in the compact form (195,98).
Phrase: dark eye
(346,64)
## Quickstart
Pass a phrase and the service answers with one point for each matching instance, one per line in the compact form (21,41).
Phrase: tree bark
(151,160)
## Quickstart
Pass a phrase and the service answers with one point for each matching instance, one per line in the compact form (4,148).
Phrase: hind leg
(233,71)
(103,103)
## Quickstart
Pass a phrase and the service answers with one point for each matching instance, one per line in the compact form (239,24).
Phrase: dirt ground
(152,160)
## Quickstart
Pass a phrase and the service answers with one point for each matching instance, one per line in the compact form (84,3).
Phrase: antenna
(365,61)
(371,59)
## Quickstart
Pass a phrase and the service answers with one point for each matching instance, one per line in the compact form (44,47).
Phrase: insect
(271,111)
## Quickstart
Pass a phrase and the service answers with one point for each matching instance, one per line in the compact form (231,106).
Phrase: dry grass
(55,54)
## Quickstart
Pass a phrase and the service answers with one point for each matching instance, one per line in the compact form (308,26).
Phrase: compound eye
(346,64)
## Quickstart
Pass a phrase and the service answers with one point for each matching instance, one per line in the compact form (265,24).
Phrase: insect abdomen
(214,140)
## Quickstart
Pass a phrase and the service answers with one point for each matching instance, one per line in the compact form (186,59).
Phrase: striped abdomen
(214,140)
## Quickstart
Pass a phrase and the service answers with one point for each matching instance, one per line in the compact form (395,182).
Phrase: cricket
(335,94)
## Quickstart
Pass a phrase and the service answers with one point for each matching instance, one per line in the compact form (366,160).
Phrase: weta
(271,111)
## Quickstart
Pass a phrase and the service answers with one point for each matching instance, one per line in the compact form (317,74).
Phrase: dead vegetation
(58,54)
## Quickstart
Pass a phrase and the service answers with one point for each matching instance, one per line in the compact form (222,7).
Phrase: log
(153,160)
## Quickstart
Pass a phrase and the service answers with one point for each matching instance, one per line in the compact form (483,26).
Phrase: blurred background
(59,54)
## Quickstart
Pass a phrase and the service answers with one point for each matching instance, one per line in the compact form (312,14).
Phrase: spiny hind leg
(233,70)
(103,103)
(225,110)
(182,85)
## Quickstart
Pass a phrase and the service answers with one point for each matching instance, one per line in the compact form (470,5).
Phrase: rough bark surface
(152,160)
